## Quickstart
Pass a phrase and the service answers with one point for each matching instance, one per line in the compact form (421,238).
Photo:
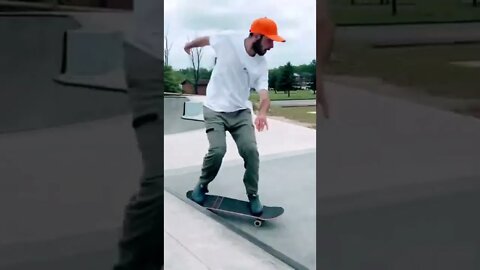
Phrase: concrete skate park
(396,182)
(70,161)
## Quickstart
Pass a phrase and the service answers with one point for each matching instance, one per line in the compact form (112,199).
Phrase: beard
(257,47)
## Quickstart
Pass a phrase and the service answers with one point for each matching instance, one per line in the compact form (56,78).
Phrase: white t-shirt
(235,72)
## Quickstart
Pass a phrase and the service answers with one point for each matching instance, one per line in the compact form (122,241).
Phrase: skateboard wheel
(257,223)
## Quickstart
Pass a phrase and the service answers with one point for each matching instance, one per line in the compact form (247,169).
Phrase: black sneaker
(256,207)
(198,193)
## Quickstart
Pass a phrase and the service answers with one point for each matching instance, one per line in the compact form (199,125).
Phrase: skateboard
(238,207)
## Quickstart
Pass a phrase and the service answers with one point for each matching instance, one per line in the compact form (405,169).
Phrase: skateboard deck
(238,207)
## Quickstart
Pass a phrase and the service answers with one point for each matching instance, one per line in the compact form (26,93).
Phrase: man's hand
(261,122)
(198,42)
(187,48)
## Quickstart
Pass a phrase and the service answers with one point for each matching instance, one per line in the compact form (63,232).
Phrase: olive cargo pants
(240,126)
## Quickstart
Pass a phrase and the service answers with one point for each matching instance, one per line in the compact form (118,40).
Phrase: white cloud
(186,19)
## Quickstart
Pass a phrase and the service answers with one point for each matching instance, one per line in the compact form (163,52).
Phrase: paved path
(293,103)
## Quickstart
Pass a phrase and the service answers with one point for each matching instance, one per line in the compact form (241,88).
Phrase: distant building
(302,81)
(188,87)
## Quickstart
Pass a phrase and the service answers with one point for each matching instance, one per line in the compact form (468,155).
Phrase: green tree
(171,84)
(273,76)
(312,70)
(314,82)
(286,79)
(187,73)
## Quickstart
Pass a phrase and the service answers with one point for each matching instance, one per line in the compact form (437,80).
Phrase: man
(240,66)
(141,244)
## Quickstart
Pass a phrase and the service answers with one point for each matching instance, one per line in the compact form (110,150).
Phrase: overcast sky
(187,19)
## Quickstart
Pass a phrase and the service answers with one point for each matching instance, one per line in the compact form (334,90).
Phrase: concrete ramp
(193,110)
(93,59)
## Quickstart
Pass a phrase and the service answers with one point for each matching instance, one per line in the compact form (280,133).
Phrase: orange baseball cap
(266,27)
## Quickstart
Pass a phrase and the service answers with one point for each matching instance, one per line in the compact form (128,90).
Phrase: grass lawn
(299,114)
(294,95)
(369,11)
(427,69)
(302,115)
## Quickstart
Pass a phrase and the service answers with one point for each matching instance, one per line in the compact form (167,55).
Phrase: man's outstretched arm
(264,103)
(198,42)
